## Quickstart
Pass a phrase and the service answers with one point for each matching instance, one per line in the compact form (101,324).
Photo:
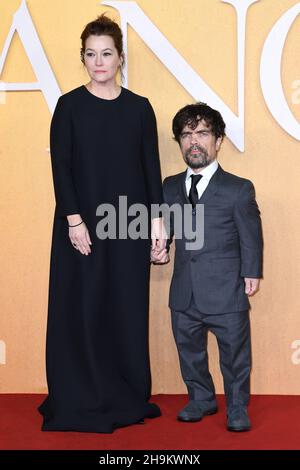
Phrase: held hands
(79,235)
(159,237)
(251,285)
(159,258)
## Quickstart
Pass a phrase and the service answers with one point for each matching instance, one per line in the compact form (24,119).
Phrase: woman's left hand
(158,235)
(159,258)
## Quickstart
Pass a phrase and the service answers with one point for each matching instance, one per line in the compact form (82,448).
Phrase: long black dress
(97,357)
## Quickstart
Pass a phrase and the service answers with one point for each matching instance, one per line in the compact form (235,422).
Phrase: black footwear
(238,419)
(194,411)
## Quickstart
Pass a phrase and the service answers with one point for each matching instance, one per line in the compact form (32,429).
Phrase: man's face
(199,146)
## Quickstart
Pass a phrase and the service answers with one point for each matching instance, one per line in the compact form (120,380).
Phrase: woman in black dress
(103,143)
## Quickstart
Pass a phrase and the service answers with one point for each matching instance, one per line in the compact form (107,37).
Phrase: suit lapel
(212,186)
(182,188)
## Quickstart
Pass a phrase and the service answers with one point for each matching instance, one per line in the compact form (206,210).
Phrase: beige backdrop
(204,32)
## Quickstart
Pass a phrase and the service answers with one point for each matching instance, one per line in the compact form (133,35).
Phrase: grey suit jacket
(232,247)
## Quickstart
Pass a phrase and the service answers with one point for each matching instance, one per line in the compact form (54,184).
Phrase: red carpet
(275,422)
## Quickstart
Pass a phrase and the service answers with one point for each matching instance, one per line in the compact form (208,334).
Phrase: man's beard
(200,160)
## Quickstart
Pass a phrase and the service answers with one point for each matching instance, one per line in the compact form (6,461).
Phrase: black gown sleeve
(169,222)
(150,156)
(61,159)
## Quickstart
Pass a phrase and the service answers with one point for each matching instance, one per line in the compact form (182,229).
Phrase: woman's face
(101,58)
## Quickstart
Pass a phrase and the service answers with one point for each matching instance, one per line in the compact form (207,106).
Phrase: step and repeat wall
(241,57)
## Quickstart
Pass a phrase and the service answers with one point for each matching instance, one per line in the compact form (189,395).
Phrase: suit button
(193,239)
(194,260)
(194,211)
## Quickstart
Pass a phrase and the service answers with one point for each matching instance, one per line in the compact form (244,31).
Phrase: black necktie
(193,196)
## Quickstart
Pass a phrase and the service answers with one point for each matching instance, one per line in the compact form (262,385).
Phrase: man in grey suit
(210,286)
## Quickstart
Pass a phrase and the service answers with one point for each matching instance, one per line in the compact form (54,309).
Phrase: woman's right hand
(79,236)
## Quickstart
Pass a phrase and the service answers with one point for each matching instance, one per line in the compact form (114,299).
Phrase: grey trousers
(232,331)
